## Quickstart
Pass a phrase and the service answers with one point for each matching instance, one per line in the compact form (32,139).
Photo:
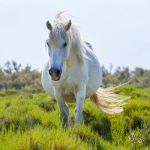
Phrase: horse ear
(49,26)
(68,25)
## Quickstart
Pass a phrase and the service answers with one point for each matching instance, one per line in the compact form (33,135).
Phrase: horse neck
(73,60)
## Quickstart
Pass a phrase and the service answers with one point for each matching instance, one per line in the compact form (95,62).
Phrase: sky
(119,30)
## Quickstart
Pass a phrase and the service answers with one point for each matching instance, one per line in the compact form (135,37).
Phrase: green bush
(31,90)
(47,105)
(39,90)
(2,94)
(11,92)
(30,96)
(35,90)
(135,94)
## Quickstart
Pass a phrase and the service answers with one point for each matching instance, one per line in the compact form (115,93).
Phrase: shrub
(140,87)
(140,138)
(39,90)
(30,96)
(7,104)
(31,90)
(137,122)
(11,92)
(47,105)
(35,90)
(135,94)
(2,94)
(43,95)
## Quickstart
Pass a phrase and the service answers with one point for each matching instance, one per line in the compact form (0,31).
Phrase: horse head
(58,47)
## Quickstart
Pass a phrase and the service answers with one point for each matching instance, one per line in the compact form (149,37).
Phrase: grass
(30,121)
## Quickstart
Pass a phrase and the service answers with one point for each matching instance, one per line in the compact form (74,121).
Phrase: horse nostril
(54,71)
(58,72)
(50,72)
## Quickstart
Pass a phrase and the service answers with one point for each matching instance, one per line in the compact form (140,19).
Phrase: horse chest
(69,86)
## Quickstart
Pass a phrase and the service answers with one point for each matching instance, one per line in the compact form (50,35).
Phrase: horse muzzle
(55,74)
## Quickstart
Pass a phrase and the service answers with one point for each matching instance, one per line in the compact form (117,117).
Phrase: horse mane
(74,34)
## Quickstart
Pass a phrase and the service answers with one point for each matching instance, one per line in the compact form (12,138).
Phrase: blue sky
(119,30)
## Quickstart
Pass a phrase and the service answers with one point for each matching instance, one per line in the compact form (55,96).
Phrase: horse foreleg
(80,98)
(63,108)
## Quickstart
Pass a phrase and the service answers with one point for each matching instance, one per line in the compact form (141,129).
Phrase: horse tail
(108,101)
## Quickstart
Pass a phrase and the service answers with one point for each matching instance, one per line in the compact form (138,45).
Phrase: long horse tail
(108,101)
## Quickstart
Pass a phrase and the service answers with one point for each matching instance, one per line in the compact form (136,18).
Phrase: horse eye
(65,44)
(47,44)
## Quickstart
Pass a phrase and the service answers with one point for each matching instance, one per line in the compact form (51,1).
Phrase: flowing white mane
(60,21)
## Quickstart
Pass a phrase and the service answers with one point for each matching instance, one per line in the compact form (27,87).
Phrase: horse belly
(95,78)
(70,99)
(69,96)
(93,84)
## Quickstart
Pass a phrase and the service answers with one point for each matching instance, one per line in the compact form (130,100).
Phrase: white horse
(72,72)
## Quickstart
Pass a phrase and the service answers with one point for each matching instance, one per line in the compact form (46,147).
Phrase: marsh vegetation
(30,121)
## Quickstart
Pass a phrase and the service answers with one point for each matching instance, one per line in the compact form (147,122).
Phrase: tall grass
(31,122)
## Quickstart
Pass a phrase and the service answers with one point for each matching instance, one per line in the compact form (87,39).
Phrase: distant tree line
(138,78)
(12,76)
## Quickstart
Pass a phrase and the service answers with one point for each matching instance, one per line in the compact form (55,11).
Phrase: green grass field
(31,122)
